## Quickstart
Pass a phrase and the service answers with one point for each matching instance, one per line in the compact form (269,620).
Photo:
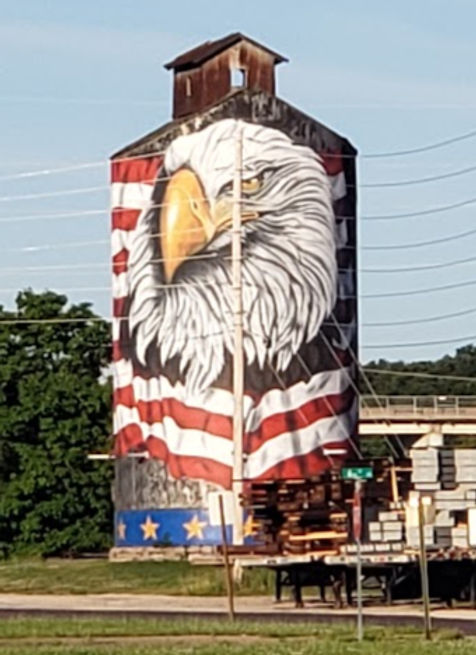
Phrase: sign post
(357,526)
(359,474)
(425,589)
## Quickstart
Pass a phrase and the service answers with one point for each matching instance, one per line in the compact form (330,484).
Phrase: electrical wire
(416,374)
(429,319)
(423,180)
(420,244)
(416,292)
(424,212)
(425,148)
(420,344)
(367,382)
(52,171)
(423,267)
(329,406)
(374,155)
(351,380)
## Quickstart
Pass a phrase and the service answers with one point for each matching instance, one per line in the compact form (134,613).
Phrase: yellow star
(194,528)
(149,528)
(121,530)
(249,527)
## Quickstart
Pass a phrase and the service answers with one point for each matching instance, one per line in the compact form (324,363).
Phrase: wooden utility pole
(238,361)
(226,559)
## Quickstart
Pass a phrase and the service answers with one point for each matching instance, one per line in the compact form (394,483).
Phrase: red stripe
(119,261)
(179,466)
(135,170)
(193,418)
(297,419)
(125,219)
(119,306)
(332,162)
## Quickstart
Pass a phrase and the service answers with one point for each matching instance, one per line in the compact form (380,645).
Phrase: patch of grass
(59,576)
(14,628)
(152,637)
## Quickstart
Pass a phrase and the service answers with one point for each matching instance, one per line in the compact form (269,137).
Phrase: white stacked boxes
(451,500)
(465,465)
(459,536)
(425,469)
(413,536)
(387,530)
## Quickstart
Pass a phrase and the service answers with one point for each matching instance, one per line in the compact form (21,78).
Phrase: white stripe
(188,443)
(196,443)
(300,442)
(120,241)
(275,400)
(131,195)
(338,186)
(120,285)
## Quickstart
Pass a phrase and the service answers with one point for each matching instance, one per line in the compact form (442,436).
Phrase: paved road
(247,608)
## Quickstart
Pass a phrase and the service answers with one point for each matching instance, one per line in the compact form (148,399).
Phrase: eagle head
(179,262)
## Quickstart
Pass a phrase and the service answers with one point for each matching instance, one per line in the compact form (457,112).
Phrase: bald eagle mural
(174,337)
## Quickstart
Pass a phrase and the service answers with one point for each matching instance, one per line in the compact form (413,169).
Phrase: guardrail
(418,407)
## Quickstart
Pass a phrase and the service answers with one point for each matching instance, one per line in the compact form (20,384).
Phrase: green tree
(54,410)
(461,364)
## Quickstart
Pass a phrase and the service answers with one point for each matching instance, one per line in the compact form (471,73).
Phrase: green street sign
(357,473)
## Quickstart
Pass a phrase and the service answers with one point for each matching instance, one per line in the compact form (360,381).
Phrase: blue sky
(80,80)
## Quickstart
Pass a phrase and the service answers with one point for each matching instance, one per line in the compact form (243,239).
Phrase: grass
(98,576)
(25,636)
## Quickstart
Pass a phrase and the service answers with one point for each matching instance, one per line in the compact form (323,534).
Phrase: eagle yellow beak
(187,222)
(186,225)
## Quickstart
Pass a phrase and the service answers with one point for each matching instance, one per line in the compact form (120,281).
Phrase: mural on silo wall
(173,307)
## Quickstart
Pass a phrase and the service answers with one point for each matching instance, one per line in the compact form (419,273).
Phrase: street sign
(357,473)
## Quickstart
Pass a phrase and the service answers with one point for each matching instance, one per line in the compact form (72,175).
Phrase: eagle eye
(252,186)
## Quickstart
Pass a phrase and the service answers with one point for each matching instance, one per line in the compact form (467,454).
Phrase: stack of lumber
(300,516)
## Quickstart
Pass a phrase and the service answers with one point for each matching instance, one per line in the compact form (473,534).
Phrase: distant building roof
(209,49)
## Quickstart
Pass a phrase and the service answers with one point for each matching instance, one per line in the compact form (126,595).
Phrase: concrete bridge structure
(417,415)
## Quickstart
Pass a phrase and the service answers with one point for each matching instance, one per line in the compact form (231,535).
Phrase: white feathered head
(289,270)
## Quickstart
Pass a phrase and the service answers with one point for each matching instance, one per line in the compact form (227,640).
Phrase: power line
(35,217)
(352,383)
(437,376)
(397,153)
(420,244)
(425,148)
(429,319)
(366,380)
(421,180)
(52,171)
(415,344)
(416,292)
(424,212)
(423,267)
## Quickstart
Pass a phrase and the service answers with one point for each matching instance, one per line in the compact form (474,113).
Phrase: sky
(80,80)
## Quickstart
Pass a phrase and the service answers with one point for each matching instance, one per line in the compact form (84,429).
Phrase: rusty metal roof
(209,49)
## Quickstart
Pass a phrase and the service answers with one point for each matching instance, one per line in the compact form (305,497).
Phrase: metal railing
(418,407)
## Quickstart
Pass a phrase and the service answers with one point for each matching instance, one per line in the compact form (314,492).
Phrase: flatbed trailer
(396,575)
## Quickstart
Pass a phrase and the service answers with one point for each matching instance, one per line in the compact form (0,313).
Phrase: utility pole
(238,362)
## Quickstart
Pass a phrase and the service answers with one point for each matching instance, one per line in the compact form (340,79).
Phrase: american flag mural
(173,323)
